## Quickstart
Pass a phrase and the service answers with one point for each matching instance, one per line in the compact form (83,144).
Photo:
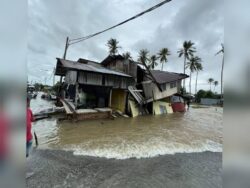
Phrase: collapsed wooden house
(91,90)
(163,90)
(155,90)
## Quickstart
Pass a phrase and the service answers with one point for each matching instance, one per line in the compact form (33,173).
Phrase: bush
(205,94)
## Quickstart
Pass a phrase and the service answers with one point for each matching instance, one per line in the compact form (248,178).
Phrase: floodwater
(197,130)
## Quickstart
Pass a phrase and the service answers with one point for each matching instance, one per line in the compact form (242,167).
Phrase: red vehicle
(178,103)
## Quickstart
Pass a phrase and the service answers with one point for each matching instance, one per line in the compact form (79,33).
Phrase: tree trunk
(196,82)
(221,81)
(162,66)
(184,71)
(190,83)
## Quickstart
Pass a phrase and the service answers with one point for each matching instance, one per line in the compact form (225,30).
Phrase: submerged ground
(174,150)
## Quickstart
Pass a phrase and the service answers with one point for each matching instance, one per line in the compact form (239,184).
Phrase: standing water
(197,130)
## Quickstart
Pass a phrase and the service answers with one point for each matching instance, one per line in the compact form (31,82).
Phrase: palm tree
(222,67)
(164,52)
(127,56)
(187,51)
(143,56)
(199,68)
(210,81)
(153,62)
(113,46)
(215,84)
(192,65)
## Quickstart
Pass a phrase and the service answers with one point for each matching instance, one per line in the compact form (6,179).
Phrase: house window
(172,84)
(163,87)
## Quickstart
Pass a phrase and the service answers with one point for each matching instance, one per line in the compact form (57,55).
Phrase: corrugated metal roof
(89,68)
(111,58)
(166,77)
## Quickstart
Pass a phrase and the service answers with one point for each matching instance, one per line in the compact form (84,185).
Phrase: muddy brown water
(197,130)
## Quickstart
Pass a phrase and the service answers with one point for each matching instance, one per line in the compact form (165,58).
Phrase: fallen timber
(85,114)
(48,113)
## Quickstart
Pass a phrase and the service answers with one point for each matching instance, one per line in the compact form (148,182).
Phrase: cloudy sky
(51,21)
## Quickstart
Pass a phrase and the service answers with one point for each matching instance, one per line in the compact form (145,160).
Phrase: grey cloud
(51,22)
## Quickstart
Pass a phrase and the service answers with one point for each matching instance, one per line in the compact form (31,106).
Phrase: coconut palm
(153,62)
(199,68)
(187,51)
(113,46)
(192,65)
(210,81)
(215,84)
(164,52)
(127,56)
(143,56)
(222,67)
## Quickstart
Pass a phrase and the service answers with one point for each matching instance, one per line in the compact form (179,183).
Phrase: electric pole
(54,71)
(66,48)
(65,52)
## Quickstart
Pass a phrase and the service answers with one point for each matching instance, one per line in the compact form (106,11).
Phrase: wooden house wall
(89,78)
(102,80)
(152,91)
(125,66)
(130,68)
(116,65)
(70,77)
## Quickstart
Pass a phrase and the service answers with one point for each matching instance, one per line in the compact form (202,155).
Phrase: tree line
(191,61)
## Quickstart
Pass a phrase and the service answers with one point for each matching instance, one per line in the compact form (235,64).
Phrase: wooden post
(77,94)
(110,98)
(77,91)
(54,76)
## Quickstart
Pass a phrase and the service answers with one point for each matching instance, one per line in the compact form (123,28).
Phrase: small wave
(145,150)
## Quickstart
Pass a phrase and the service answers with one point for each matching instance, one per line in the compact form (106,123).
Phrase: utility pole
(65,52)
(66,48)
(54,71)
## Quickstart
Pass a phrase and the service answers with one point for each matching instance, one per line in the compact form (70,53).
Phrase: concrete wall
(207,101)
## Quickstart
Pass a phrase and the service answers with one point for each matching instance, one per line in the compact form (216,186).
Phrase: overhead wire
(77,40)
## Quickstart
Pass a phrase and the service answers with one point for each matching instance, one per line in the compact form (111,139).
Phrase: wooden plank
(138,97)
(137,90)
(66,107)
(86,111)
(103,109)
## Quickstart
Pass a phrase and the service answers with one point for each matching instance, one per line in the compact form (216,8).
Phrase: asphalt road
(54,168)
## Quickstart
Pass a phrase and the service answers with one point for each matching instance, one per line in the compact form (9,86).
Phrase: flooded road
(198,130)
(176,150)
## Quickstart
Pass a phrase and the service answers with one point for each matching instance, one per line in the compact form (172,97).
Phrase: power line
(76,40)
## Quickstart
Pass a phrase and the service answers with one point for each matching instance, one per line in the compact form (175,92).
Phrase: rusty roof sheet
(89,68)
